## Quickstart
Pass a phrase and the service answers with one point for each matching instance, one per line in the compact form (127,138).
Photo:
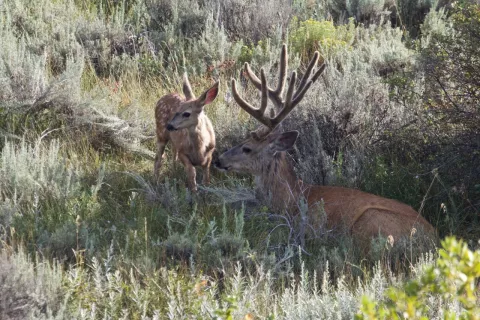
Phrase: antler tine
(287,105)
(299,95)
(256,113)
(293,96)
(256,82)
(274,95)
(282,74)
(264,102)
(318,72)
(305,84)
(307,74)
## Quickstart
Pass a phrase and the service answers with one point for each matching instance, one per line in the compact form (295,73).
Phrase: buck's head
(259,150)
(188,112)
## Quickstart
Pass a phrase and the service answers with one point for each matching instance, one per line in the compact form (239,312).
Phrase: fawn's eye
(246,150)
(186,114)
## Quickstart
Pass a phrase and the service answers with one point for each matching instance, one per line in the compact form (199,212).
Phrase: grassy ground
(87,232)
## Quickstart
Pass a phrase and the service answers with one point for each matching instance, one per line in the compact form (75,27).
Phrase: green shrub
(309,36)
(452,282)
(451,62)
(443,138)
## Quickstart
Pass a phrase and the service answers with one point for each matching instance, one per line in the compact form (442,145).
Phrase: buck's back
(371,214)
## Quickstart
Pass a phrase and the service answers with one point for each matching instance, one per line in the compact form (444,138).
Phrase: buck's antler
(291,99)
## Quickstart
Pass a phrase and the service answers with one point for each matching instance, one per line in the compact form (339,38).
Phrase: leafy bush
(443,139)
(309,36)
(451,282)
(451,63)
(405,14)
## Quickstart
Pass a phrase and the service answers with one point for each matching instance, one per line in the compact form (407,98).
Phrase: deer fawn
(183,121)
(264,155)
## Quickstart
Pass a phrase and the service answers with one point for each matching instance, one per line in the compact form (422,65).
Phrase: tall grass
(101,290)
(88,233)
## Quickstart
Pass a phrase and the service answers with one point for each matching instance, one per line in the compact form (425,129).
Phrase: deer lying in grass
(264,155)
(183,121)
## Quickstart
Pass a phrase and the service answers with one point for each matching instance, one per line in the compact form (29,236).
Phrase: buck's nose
(170,127)
(218,164)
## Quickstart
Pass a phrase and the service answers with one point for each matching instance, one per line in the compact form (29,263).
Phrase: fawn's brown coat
(183,121)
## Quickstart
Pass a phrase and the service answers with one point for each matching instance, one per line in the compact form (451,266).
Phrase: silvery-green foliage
(8,208)
(97,39)
(30,170)
(33,46)
(212,47)
(30,288)
(370,8)
(365,11)
(379,48)
(253,20)
(231,132)
(407,14)
(62,95)
(22,73)
(350,107)
(186,37)
(304,300)
(435,23)
(118,293)
(266,55)
(102,290)
(40,25)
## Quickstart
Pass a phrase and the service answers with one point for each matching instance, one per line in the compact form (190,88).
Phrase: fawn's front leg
(158,158)
(206,170)
(191,173)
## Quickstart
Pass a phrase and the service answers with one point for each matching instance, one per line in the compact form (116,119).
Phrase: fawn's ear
(209,95)
(187,88)
(283,141)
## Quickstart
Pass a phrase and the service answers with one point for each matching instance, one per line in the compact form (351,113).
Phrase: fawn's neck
(196,133)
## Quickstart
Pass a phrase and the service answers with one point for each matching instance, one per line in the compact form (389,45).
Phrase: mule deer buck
(264,155)
(183,121)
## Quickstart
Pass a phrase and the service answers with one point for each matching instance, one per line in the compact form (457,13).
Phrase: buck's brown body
(264,155)
(193,137)
(363,214)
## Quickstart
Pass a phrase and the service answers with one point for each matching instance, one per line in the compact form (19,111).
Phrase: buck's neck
(279,184)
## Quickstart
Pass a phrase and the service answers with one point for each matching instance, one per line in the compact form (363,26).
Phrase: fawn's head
(188,112)
(257,152)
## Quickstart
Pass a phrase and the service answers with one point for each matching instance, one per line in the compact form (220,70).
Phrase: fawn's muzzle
(171,128)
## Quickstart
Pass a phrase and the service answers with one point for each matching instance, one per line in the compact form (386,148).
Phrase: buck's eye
(246,150)
(186,114)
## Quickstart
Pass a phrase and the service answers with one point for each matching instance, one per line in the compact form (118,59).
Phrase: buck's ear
(209,95)
(284,141)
